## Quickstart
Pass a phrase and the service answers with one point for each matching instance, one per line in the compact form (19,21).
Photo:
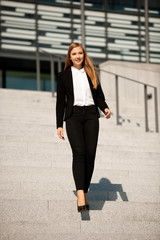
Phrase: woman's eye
(75,53)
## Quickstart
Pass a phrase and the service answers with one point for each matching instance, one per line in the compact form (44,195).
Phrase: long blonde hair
(87,64)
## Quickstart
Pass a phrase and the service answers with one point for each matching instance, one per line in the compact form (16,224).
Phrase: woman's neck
(79,67)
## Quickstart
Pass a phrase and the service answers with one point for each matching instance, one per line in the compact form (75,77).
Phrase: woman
(79,94)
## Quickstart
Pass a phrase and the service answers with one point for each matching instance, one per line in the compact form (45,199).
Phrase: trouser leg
(91,130)
(82,130)
(74,129)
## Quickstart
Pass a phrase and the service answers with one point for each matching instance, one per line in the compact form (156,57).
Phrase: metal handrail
(130,79)
(117,76)
(145,98)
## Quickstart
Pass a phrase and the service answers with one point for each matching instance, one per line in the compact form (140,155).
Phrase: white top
(82,91)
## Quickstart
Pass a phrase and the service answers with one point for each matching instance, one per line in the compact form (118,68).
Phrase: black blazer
(65,96)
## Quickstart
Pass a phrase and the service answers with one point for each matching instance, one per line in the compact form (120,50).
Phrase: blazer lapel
(91,85)
(70,81)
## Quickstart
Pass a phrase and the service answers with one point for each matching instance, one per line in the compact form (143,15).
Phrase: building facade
(114,30)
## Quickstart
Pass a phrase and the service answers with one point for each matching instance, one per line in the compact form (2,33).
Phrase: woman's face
(77,56)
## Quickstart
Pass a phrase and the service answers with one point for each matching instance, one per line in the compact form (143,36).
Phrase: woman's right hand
(60,133)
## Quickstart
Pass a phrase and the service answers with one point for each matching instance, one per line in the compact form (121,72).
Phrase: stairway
(37,191)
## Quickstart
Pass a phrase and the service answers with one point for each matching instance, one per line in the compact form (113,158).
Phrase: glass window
(1,79)
(99,4)
(47,1)
(27,81)
(61,2)
(46,82)
(154,39)
(21,80)
(122,5)
(154,7)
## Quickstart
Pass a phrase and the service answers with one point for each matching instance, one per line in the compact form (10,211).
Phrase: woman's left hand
(107,113)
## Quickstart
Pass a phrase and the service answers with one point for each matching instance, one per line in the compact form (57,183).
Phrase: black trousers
(82,129)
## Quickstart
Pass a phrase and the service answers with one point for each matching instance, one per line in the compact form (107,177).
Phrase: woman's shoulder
(63,72)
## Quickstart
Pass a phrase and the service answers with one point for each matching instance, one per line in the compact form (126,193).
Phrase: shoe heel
(87,207)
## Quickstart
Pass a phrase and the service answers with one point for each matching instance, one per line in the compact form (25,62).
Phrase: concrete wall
(131,95)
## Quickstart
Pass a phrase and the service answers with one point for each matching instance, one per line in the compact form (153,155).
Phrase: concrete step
(126,112)
(47,97)
(35,122)
(56,185)
(44,117)
(127,108)
(137,228)
(130,145)
(48,216)
(65,162)
(45,130)
(47,141)
(49,147)
(101,171)
(35,125)
(113,139)
(116,194)
(47,211)
(78,236)
(25,147)
(32,217)
(110,156)
(8,94)
(100,177)
(131,117)
(23,94)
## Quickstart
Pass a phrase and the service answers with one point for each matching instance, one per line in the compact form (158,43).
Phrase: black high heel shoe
(81,208)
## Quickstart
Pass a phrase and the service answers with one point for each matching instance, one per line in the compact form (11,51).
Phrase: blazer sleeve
(101,98)
(60,103)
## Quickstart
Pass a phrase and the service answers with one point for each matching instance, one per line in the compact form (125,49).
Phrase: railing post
(146,108)
(82,23)
(59,64)
(38,69)
(146,31)
(37,48)
(156,109)
(117,100)
(52,75)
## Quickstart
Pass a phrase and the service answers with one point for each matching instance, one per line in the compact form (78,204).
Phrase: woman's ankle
(80,197)
(85,195)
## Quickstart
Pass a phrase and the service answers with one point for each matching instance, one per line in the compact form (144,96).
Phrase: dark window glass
(1,79)
(121,5)
(20,80)
(99,4)
(154,7)
(27,1)
(47,1)
(63,3)
(27,81)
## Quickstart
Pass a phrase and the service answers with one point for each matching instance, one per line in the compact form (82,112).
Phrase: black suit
(65,96)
